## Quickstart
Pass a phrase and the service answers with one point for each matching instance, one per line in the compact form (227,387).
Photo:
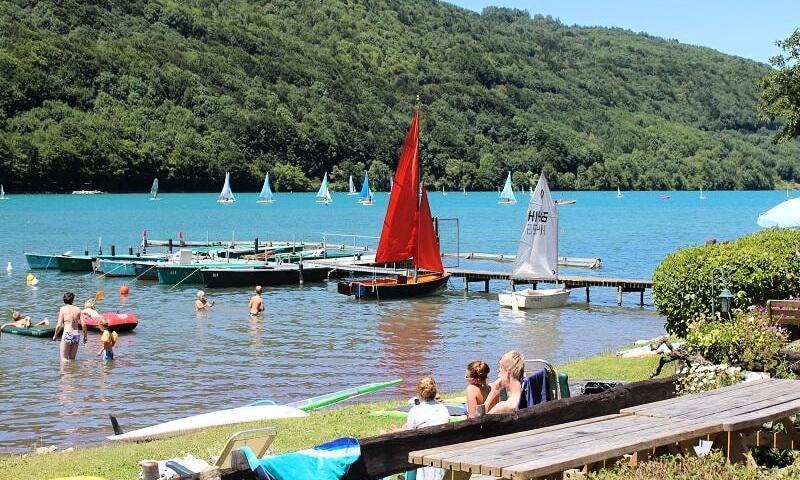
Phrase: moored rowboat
(265,275)
(117,322)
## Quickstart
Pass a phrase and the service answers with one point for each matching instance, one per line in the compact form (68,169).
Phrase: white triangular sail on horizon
(366,191)
(391,184)
(351,189)
(226,195)
(2,193)
(702,195)
(266,195)
(619,193)
(324,193)
(507,195)
(154,190)
(537,253)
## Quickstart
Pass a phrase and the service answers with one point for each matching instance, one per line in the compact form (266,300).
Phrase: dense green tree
(780,96)
(110,94)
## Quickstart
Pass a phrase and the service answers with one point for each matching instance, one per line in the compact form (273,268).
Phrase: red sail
(398,237)
(427,255)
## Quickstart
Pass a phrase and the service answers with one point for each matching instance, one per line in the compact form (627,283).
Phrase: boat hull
(116,268)
(145,271)
(400,287)
(35,331)
(232,416)
(286,274)
(535,299)
(172,274)
(81,263)
(39,261)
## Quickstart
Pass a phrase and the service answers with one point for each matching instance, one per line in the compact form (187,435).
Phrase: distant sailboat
(324,193)
(154,190)
(464,189)
(226,195)
(619,194)
(266,195)
(351,190)
(702,195)
(3,193)
(391,184)
(537,254)
(507,195)
(365,192)
(530,191)
(443,192)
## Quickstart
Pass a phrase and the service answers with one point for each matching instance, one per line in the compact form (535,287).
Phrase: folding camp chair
(556,383)
(258,439)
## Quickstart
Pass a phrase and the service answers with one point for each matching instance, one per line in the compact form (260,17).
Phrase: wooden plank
(639,409)
(761,417)
(560,461)
(388,454)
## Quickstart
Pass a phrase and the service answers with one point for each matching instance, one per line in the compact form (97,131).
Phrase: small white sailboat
(266,195)
(537,254)
(226,195)
(3,193)
(366,191)
(324,193)
(154,190)
(619,194)
(702,195)
(351,189)
(443,192)
(464,189)
(391,184)
(507,195)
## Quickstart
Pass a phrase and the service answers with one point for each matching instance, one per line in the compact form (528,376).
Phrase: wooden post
(149,470)
(619,295)
(130,251)
(113,250)
(587,294)
(466,284)
(486,285)
(641,298)
(169,244)
(255,245)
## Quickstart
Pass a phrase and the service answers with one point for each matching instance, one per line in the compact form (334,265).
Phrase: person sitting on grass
(477,389)
(511,371)
(18,321)
(108,339)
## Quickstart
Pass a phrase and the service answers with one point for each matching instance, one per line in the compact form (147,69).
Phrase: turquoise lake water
(312,340)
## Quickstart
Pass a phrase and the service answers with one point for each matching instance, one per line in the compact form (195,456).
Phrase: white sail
(391,184)
(324,193)
(507,195)
(537,254)
(266,195)
(2,193)
(702,195)
(352,187)
(226,195)
(619,194)
(154,190)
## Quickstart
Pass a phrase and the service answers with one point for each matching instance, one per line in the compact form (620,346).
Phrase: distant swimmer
(202,303)
(256,304)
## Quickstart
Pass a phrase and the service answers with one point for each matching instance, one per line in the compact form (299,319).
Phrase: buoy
(9,268)
(124,290)
(31,280)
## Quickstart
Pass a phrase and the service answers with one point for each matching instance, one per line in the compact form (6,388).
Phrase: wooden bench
(732,418)
(784,312)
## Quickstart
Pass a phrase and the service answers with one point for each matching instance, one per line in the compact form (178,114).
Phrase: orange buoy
(124,290)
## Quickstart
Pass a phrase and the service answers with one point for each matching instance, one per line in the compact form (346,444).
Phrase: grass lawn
(120,462)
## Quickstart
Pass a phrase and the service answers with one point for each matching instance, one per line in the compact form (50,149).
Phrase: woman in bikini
(69,318)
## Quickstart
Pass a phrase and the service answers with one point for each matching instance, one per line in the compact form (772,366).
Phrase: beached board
(38,331)
(219,418)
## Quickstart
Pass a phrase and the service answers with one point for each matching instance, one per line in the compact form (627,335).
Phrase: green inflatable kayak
(38,331)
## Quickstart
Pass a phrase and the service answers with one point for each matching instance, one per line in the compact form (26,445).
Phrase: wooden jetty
(364,265)
(574,262)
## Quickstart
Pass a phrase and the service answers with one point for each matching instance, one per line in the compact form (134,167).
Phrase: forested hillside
(112,93)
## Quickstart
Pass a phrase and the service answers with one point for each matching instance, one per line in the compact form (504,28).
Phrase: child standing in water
(108,339)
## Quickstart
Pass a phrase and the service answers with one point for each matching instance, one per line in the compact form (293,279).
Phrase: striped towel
(329,461)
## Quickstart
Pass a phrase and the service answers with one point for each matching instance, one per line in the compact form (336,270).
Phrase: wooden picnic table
(731,417)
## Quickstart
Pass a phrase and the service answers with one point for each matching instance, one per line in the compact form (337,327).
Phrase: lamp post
(725,296)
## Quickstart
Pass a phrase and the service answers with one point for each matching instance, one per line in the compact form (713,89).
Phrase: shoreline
(120,461)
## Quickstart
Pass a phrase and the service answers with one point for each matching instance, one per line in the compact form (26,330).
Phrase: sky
(747,28)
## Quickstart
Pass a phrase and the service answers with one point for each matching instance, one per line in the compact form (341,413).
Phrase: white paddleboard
(211,419)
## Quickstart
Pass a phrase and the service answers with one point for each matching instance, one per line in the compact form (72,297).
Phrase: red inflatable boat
(117,322)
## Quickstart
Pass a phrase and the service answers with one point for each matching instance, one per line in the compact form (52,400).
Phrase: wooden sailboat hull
(400,287)
(40,261)
(75,264)
(145,270)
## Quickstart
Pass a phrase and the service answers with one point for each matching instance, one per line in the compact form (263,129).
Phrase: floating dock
(364,265)
(574,262)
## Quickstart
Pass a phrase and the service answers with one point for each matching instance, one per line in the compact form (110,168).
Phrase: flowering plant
(700,378)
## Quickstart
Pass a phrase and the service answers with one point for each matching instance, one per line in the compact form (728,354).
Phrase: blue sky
(747,28)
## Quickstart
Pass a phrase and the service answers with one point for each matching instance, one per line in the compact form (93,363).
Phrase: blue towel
(329,461)
(534,390)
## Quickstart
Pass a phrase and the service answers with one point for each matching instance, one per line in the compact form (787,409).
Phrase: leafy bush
(750,341)
(758,267)
(701,378)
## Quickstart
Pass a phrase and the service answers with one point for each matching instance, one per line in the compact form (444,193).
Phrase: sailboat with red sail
(408,234)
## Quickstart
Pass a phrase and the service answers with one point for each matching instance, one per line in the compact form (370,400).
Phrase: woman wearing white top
(427,413)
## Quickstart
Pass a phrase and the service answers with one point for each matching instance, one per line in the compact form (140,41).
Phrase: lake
(312,340)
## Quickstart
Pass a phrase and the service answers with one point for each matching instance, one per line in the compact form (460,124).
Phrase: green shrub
(758,267)
(750,341)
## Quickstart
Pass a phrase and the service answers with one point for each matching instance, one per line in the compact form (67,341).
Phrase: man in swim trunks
(202,302)
(69,318)
(256,304)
